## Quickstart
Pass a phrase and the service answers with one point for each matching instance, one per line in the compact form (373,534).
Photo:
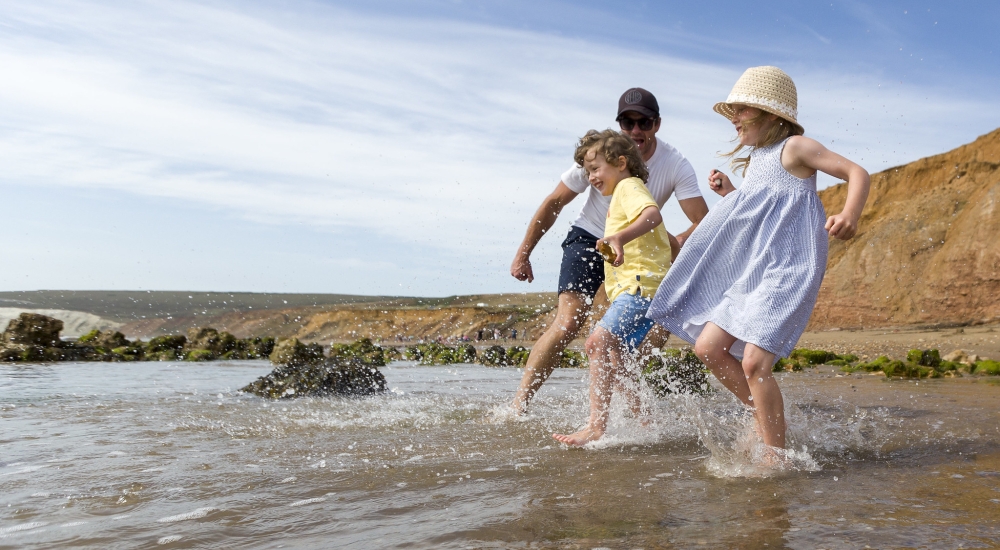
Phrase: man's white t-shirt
(669,172)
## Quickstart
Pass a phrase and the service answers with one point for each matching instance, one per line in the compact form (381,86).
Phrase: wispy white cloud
(434,133)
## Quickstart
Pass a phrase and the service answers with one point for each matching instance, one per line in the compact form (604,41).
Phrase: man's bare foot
(504,413)
(580,438)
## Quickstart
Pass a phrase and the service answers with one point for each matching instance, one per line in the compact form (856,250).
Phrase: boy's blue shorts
(626,319)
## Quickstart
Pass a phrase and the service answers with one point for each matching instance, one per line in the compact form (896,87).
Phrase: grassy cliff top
(125,305)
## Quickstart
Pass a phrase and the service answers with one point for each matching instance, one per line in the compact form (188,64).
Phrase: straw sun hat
(766,88)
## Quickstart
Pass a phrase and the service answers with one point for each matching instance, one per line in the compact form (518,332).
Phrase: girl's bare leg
(712,347)
(750,380)
(769,406)
(603,352)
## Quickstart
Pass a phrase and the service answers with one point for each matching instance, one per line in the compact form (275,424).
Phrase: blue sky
(401,147)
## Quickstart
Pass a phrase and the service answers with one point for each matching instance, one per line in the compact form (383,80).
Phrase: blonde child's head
(615,149)
(763,106)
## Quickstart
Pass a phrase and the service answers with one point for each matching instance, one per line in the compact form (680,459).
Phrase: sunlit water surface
(135,455)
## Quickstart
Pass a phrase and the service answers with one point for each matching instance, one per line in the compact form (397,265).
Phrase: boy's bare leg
(603,352)
(545,354)
(656,338)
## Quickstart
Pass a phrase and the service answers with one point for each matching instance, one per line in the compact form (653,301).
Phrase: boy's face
(603,176)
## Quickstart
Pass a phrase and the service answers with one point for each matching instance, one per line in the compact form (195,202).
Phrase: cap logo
(633,97)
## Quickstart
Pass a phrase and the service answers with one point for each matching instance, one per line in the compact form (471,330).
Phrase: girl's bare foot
(580,438)
(774,458)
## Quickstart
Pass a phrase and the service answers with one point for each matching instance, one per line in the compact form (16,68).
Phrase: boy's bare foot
(580,438)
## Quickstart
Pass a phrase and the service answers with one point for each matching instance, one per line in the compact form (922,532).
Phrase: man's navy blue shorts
(582,267)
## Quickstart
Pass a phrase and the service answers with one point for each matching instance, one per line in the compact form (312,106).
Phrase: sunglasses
(645,123)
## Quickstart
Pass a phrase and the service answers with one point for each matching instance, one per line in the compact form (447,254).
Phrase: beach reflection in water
(126,455)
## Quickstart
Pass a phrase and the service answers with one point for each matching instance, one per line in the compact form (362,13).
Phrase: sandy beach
(868,344)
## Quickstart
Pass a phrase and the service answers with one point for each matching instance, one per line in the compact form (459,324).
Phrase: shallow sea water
(170,455)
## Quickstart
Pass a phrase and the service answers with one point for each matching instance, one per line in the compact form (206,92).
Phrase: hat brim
(639,109)
(726,110)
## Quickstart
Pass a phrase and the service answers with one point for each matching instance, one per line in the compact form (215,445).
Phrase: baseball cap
(640,101)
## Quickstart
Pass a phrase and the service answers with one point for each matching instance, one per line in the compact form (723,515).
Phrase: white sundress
(753,266)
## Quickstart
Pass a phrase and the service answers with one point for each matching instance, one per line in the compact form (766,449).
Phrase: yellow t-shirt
(647,258)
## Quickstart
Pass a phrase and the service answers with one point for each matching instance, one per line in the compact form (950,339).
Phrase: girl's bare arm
(802,153)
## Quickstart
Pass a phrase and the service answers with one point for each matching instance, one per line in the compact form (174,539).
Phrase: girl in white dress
(745,283)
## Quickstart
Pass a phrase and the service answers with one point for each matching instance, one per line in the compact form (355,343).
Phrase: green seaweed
(675,371)
(987,367)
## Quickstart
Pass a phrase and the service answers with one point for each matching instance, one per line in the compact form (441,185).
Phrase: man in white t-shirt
(582,272)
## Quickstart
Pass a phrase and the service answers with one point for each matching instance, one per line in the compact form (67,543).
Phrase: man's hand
(842,226)
(675,247)
(542,221)
(521,268)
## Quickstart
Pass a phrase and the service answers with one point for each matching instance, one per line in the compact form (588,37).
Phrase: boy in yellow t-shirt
(637,251)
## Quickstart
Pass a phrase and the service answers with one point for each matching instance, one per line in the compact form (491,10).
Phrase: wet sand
(983,340)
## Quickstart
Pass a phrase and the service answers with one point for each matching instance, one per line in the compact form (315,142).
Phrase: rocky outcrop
(32,329)
(928,246)
(34,337)
(675,371)
(208,344)
(304,371)
(294,353)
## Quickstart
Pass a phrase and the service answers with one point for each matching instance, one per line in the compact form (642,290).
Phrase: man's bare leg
(606,368)
(545,354)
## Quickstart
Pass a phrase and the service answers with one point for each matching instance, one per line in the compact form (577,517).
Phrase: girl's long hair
(776,132)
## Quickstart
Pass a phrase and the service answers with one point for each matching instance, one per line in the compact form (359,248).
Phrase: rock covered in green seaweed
(432,353)
(349,377)
(675,371)
(802,358)
(294,353)
(363,350)
(34,337)
(493,356)
(303,371)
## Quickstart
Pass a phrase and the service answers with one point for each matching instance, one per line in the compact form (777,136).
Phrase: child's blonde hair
(613,145)
(776,132)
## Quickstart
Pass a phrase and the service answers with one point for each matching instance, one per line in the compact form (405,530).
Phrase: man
(582,272)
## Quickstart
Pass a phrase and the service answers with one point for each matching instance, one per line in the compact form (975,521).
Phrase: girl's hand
(720,183)
(612,250)
(842,226)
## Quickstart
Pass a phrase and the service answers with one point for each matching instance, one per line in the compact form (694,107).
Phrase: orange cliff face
(927,252)
(928,248)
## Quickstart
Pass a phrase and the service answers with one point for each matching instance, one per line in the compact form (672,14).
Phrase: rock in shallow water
(329,376)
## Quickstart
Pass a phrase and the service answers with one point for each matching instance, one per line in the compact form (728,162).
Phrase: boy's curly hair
(613,144)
